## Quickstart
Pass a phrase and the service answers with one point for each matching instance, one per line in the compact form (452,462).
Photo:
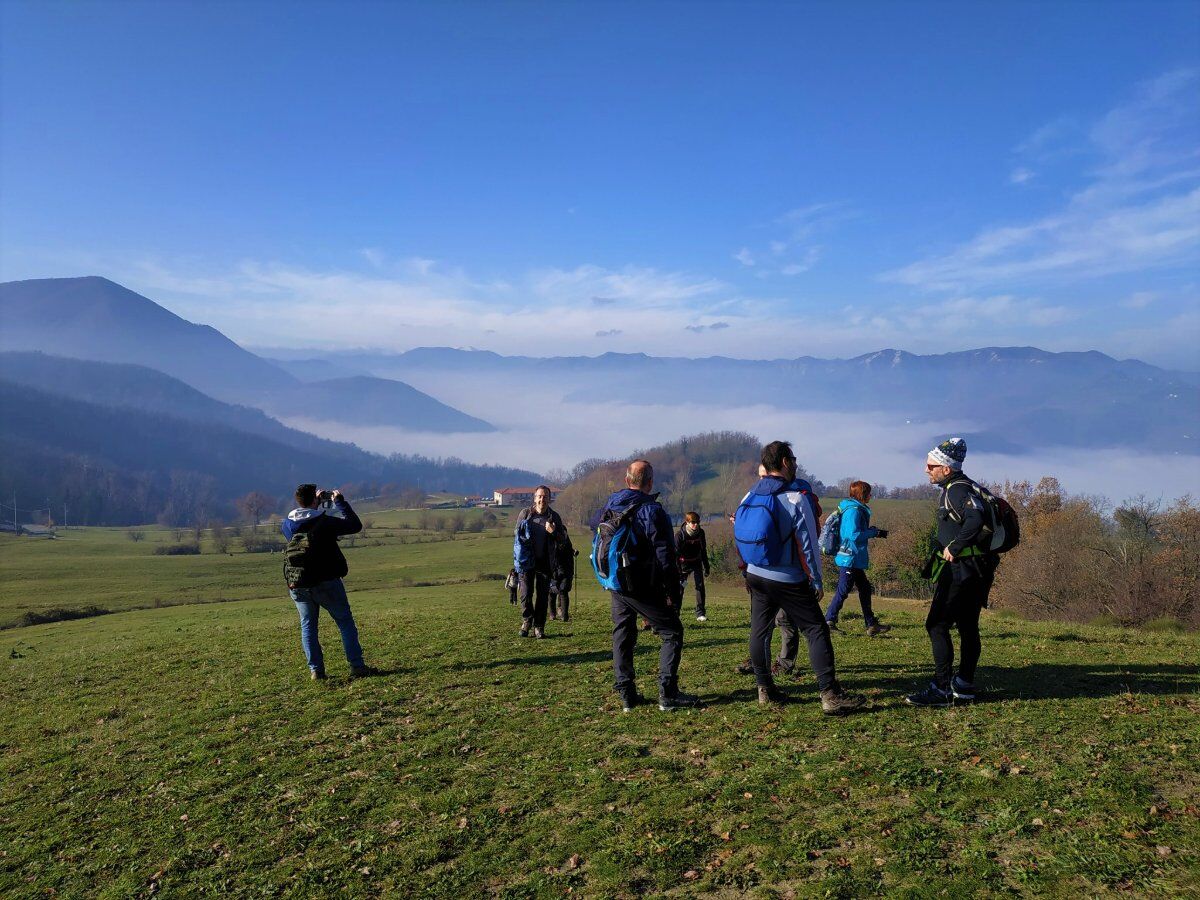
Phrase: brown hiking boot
(538,633)
(744,668)
(877,629)
(770,694)
(317,674)
(837,702)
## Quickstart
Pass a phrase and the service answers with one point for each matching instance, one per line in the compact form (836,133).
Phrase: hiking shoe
(702,618)
(316,674)
(553,617)
(931,696)
(645,624)
(670,698)
(744,668)
(877,629)
(778,668)
(363,671)
(837,702)
(962,691)
(630,699)
(539,633)
(833,626)
(769,694)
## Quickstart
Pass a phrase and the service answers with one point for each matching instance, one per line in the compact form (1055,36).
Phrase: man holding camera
(314,567)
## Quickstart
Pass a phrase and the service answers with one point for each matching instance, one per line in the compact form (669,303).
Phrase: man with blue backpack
(776,532)
(633,554)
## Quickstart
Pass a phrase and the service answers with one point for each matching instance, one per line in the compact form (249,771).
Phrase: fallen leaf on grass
(691,875)
(1163,851)
(573,862)
(462,823)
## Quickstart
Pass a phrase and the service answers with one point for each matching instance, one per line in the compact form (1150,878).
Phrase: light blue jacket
(856,531)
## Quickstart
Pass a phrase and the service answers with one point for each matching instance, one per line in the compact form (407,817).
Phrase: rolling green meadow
(175,747)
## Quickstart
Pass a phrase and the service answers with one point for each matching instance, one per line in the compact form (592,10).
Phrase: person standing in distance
(692,545)
(314,568)
(962,573)
(534,549)
(792,582)
(654,592)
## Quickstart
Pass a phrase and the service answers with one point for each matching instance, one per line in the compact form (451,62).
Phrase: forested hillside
(120,465)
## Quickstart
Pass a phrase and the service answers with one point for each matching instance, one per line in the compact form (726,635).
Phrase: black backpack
(1004,528)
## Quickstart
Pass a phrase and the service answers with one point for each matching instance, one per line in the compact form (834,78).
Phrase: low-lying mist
(540,432)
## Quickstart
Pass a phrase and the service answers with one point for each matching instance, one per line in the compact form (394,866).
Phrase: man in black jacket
(314,568)
(962,570)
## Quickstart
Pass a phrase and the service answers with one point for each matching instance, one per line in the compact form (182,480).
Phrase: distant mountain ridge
(96,319)
(1014,399)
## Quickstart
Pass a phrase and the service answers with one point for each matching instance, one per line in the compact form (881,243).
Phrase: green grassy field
(182,751)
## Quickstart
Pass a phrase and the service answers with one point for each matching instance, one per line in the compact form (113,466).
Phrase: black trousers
(799,601)
(958,598)
(667,626)
(534,596)
(697,577)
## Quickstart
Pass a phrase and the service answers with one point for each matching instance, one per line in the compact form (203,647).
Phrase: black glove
(881,532)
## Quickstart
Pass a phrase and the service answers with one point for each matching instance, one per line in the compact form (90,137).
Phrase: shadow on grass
(645,645)
(1042,681)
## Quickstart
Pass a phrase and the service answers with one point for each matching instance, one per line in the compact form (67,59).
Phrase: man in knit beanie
(962,573)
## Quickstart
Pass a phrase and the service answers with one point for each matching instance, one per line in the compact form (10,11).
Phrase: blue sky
(756,180)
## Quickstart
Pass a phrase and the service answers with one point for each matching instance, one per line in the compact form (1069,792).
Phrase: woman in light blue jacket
(852,558)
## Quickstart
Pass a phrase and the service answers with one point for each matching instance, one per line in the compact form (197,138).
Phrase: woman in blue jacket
(852,558)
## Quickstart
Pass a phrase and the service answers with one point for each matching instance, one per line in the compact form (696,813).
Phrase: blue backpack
(612,549)
(831,534)
(756,529)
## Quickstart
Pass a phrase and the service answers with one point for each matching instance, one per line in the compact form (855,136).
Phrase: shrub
(255,544)
(136,535)
(185,548)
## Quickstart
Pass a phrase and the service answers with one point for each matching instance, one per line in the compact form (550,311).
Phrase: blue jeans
(848,578)
(330,595)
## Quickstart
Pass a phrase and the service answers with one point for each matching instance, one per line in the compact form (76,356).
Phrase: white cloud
(1140,210)
(796,251)
(1020,175)
(1139,300)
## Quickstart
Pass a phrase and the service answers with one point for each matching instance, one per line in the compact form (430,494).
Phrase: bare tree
(680,485)
(254,504)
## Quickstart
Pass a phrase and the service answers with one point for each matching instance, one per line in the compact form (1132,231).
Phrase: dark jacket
(693,551)
(524,555)
(655,570)
(962,517)
(562,571)
(324,560)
